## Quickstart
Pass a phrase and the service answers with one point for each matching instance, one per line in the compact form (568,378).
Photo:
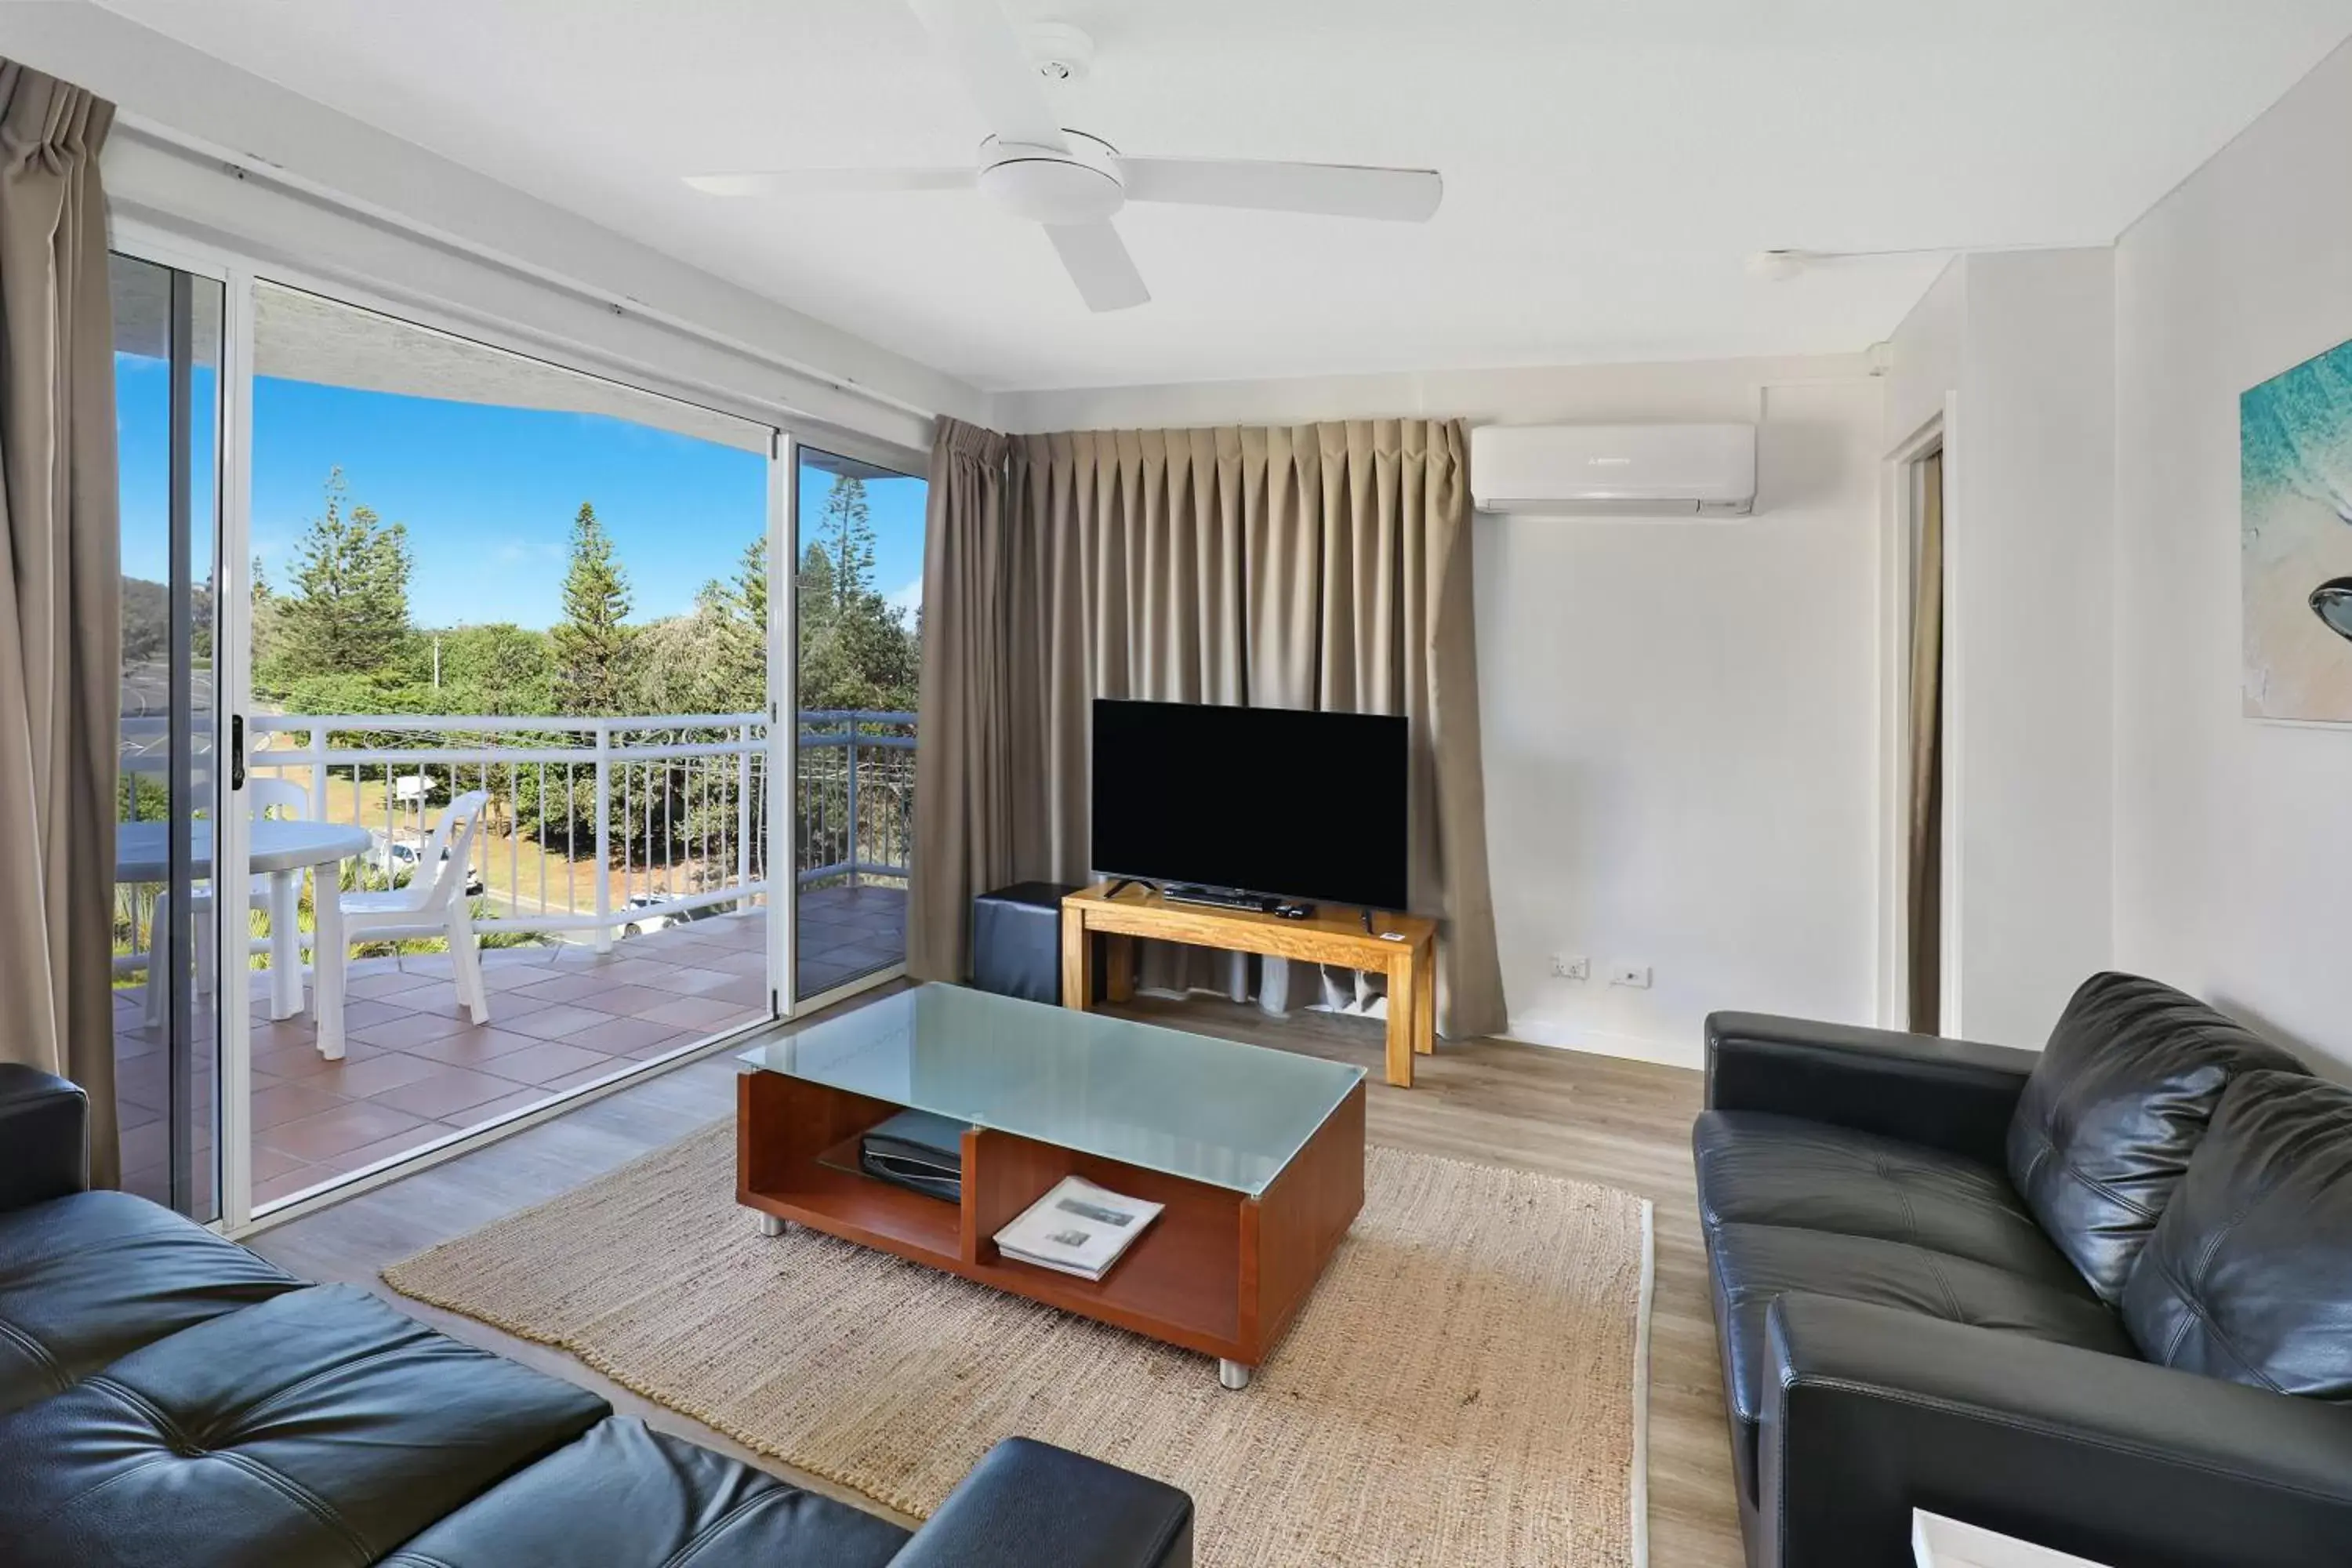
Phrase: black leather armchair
(1902,1327)
(1028,1503)
(44,1132)
(168,1398)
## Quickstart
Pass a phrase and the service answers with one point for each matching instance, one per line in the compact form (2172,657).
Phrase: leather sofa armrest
(1871,1411)
(1955,1095)
(1031,1505)
(44,1136)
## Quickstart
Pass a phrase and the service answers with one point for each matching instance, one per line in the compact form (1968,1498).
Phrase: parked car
(396,860)
(651,912)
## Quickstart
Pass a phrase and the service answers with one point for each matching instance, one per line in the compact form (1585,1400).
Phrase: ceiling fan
(1071,182)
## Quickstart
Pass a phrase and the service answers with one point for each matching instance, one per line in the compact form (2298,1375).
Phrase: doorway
(1924,765)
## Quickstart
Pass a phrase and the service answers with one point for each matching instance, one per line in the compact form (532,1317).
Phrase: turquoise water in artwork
(2295,434)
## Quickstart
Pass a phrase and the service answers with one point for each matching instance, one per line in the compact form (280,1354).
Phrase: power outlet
(1636,975)
(1565,967)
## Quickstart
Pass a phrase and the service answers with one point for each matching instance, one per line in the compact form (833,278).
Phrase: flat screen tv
(1269,801)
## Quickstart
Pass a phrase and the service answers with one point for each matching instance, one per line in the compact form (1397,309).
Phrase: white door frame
(232,695)
(785,681)
(233,676)
(784,719)
(1902,499)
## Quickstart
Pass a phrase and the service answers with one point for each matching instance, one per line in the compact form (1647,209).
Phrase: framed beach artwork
(2294,444)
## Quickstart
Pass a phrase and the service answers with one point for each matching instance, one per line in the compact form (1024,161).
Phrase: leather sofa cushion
(1758,1168)
(320,1427)
(87,1278)
(2115,1107)
(2248,1274)
(1754,1265)
(627,1496)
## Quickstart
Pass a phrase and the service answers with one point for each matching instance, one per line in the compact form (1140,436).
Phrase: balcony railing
(857,796)
(598,824)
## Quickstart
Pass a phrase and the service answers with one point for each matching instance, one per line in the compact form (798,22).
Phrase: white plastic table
(282,849)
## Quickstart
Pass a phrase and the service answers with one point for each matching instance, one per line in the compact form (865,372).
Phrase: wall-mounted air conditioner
(1614,471)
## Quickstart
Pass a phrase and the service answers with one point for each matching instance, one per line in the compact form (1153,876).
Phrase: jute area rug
(1465,1386)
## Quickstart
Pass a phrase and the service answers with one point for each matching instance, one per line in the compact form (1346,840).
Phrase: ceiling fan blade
(1098,263)
(996,71)
(1339,190)
(819,181)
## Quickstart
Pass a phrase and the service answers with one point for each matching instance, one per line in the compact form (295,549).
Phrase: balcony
(673,810)
(590,975)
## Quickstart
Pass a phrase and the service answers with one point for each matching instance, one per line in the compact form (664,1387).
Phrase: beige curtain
(963,797)
(1317,566)
(60,591)
(1926,837)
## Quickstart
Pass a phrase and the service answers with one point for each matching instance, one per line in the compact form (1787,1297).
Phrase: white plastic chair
(262,797)
(432,903)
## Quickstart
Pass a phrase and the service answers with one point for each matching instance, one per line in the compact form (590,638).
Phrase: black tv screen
(1274,801)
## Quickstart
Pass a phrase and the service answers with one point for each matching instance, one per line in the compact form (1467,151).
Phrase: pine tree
(590,646)
(266,607)
(749,592)
(348,613)
(742,603)
(816,597)
(845,529)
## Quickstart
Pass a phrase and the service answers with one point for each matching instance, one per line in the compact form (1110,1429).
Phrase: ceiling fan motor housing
(1046,185)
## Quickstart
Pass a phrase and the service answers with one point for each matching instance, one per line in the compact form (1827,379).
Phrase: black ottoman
(1017,940)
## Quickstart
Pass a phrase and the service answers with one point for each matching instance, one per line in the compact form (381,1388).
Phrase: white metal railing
(605,823)
(857,795)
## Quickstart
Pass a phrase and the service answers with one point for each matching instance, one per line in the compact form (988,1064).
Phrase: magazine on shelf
(1077,1228)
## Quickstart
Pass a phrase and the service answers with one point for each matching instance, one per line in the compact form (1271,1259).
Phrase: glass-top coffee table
(1257,1155)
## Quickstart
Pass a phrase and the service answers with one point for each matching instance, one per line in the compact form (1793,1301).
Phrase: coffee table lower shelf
(1220,1272)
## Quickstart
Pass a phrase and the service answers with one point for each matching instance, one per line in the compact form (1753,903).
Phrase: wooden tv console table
(1402,947)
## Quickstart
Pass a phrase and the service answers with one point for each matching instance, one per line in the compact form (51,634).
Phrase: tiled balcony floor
(848,931)
(416,1068)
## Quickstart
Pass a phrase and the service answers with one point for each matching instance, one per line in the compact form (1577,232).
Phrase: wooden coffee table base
(1219,1272)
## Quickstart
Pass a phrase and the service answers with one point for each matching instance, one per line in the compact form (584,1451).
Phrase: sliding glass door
(170,1010)
(481,577)
(858,614)
(376,572)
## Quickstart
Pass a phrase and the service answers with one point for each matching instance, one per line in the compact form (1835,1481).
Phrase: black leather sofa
(2098,1298)
(168,1398)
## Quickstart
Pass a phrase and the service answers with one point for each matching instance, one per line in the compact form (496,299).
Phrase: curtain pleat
(965,813)
(60,595)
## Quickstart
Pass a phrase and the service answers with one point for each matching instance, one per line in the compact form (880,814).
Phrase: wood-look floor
(1594,1118)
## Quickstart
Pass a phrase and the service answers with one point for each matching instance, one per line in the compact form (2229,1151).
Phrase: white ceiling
(1608,163)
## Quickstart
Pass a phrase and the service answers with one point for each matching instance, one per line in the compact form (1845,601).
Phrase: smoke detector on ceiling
(1777,265)
(1059,51)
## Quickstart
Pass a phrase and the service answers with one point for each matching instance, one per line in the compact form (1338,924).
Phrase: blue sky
(488,495)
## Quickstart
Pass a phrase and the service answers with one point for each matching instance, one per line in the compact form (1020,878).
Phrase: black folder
(917,1151)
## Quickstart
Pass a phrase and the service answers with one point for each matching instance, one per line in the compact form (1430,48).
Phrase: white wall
(2234,838)
(1923,356)
(2023,345)
(1681,753)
